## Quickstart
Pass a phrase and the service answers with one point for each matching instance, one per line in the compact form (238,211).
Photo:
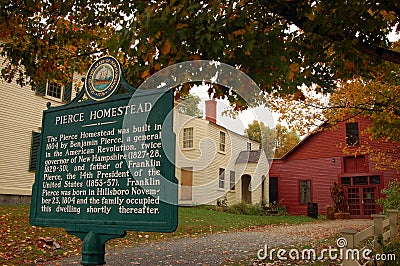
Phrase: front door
(186,184)
(246,193)
(361,201)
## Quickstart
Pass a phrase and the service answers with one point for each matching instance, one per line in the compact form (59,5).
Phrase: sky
(261,114)
(239,124)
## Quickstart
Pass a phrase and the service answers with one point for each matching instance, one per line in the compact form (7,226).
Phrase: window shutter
(34,150)
(41,90)
(67,92)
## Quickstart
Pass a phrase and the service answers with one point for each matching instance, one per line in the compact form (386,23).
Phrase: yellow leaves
(349,65)
(166,48)
(195,57)
(299,96)
(238,32)
(235,34)
(180,26)
(293,69)
(145,74)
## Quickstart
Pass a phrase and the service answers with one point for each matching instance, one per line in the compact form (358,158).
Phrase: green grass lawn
(22,244)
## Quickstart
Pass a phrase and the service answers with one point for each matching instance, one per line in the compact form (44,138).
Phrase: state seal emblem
(103,78)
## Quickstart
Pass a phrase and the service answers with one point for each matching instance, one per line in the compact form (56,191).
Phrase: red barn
(307,172)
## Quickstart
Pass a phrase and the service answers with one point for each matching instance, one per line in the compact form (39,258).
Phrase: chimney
(211,111)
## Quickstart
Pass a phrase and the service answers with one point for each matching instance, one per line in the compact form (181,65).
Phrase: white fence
(378,230)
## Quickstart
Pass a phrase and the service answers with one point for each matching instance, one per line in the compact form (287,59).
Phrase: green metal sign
(106,164)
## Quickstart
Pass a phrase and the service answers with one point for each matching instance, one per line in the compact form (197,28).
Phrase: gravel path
(222,248)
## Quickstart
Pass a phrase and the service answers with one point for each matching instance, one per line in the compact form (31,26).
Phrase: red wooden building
(307,172)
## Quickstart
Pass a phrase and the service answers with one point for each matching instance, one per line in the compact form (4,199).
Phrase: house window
(54,90)
(352,134)
(188,138)
(248,146)
(34,150)
(232,180)
(305,191)
(221,183)
(222,136)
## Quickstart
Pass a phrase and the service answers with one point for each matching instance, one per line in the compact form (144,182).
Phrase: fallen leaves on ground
(22,244)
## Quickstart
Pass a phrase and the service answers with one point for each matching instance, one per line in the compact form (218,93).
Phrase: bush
(256,209)
(391,199)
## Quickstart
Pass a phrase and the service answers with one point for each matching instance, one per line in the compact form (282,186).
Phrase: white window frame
(221,178)
(188,138)
(232,180)
(50,83)
(222,141)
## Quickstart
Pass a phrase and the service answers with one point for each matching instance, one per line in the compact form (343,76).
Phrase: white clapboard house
(212,162)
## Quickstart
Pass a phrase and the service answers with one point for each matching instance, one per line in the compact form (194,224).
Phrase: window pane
(54,90)
(346,181)
(188,137)
(352,134)
(221,183)
(232,180)
(376,179)
(305,191)
(360,180)
(222,141)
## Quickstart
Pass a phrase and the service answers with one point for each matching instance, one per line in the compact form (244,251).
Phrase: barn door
(361,201)
(273,190)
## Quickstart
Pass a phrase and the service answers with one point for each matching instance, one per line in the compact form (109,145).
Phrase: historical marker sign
(106,164)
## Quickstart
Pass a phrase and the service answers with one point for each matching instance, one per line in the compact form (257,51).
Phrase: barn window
(375,179)
(360,180)
(346,181)
(355,164)
(352,134)
(305,191)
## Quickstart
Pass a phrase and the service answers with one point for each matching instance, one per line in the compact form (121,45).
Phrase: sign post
(106,164)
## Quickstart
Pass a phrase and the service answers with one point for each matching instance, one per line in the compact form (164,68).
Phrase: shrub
(391,199)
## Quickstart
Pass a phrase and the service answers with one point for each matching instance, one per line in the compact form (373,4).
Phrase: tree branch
(289,13)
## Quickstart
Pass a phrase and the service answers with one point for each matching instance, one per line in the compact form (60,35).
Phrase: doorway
(361,192)
(186,183)
(273,190)
(246,193)
(361,201)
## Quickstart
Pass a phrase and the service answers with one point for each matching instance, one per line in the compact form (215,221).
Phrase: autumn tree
(376,99)
(281,44)
(275,141)
(285,46)
(189,105)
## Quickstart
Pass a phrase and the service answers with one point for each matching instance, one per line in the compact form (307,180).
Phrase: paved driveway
(222,248)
